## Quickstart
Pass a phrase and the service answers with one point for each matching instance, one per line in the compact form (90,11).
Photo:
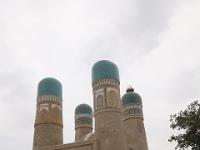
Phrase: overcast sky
(155,43)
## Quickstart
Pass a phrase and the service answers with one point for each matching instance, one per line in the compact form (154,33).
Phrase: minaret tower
(107,106)
(48,122)
(133,120)
(83,121)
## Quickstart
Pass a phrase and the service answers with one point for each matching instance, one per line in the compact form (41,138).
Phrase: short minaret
(133,120)
(48,122)
(83,121)
(107,106)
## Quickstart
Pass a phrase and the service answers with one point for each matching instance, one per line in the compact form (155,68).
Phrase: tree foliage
(187,122)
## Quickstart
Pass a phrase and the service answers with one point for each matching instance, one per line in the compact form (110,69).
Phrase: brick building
(118,121)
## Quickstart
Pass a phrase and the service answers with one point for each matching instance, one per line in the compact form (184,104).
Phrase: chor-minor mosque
(118,122)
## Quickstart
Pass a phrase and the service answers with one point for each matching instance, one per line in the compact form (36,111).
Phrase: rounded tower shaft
(83,121)
(133,120)
(48,122)
(107,106)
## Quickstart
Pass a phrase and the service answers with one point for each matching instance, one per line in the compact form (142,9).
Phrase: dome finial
(83,109)
(130,89)
(130,97)
(50,86)
(105,69)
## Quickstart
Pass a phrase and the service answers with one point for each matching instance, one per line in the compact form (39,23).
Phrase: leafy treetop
(188,124)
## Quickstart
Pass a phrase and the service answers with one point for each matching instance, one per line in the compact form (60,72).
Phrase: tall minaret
(107,106)
(133,120)
(48,122)
(83,121)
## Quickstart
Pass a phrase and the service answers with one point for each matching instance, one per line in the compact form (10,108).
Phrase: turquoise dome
(83,109)
(50,86)
(131,98)
(104,69)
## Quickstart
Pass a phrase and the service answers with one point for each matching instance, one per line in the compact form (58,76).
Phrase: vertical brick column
(107,107)
(83,121)
(133,120)
(48,121)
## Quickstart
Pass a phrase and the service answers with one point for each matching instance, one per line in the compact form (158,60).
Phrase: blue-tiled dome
(131,98)
(50,86)
(83,109)
(104,69)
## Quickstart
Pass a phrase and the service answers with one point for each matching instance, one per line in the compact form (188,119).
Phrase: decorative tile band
(102,82)
(132,109)
(49,98)
(83,121)
(83,116)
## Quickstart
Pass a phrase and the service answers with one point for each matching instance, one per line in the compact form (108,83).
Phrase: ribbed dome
(83,109)
(131,98)
(50,86)
(104,69)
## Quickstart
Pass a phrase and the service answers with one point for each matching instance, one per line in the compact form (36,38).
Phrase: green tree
(187,122)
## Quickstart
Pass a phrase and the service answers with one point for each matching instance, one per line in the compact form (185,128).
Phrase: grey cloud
(185,86)
(15,83)
(64,38)
(16,108)
(134,32)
